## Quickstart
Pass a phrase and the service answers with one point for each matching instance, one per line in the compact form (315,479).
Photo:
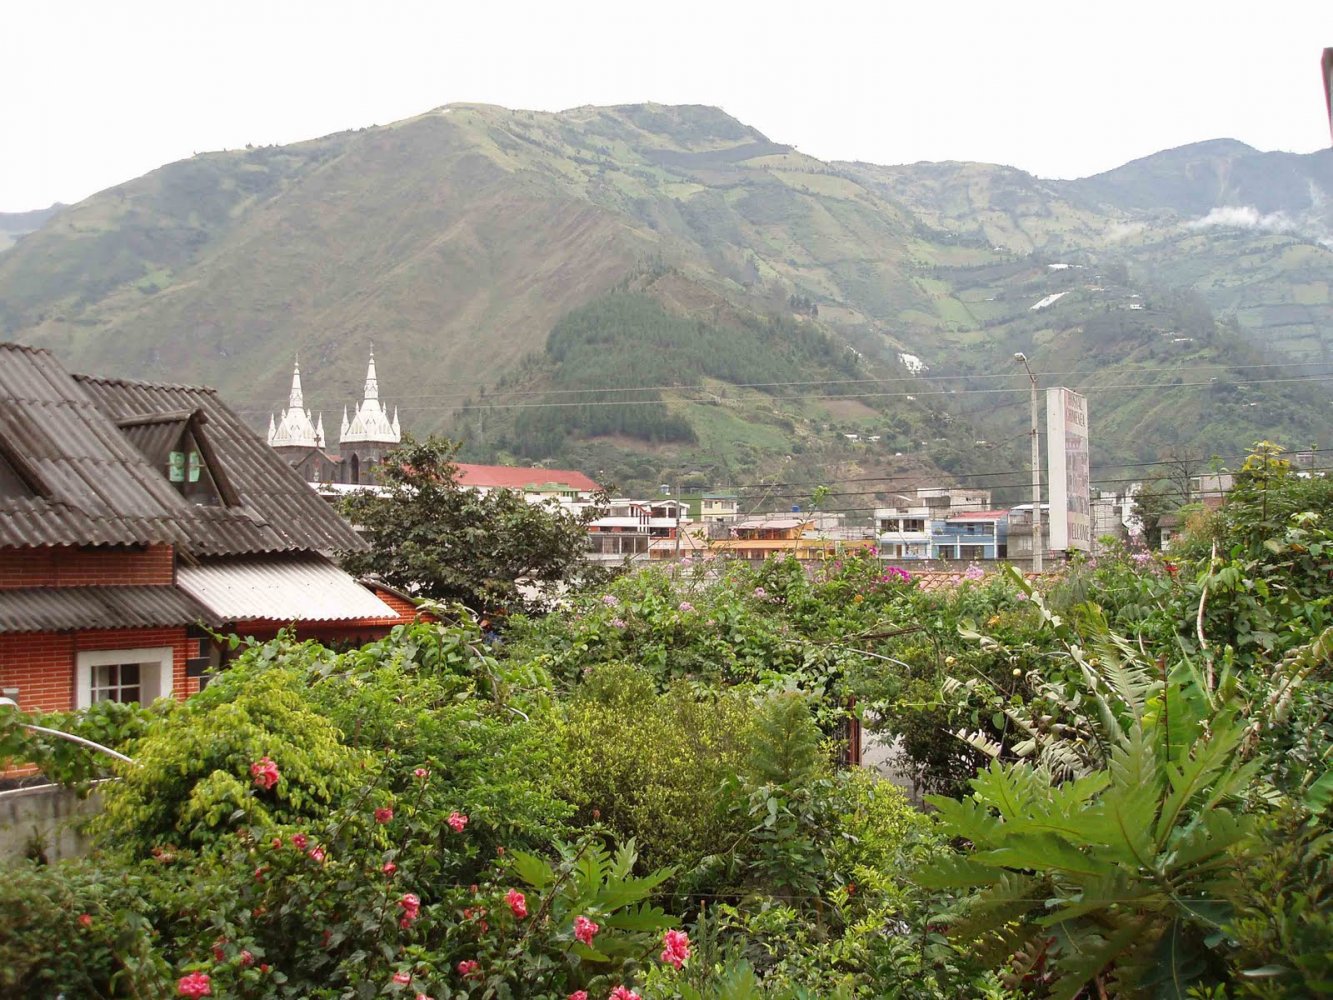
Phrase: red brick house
(132,514)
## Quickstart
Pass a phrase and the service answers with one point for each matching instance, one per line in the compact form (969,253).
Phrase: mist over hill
(737,310)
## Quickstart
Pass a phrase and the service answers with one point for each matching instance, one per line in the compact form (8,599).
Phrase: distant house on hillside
(131,513)
(787,535)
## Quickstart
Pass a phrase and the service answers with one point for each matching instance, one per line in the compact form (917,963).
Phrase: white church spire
(370,421)
(294,428)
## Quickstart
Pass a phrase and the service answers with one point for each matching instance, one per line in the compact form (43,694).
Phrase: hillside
(470,243)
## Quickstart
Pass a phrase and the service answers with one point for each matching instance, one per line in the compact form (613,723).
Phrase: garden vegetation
(1127,770)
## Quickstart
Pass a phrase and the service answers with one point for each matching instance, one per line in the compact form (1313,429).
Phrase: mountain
(14,225)
(520,271)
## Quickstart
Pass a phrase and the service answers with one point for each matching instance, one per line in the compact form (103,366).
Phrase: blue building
(970,534)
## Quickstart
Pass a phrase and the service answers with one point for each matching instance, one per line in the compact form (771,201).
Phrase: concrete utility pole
(1036,469)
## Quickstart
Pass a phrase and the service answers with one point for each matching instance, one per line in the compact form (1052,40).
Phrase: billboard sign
(1067,469)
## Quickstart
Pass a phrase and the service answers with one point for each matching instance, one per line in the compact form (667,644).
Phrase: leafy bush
(651,766)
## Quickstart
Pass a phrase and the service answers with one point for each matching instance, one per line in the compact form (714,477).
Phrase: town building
(718,507)
(135,518)
(793,534)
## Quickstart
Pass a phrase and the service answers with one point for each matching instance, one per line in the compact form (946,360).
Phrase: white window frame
(151,658)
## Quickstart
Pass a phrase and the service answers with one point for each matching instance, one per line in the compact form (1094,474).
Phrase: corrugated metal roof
(89,486)
(54,609)
(278,511)
(308,590)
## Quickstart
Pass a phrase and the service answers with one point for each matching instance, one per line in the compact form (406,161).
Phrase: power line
(911,379)
(1087,389)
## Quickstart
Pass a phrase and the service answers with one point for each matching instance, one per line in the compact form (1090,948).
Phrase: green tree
(431,536)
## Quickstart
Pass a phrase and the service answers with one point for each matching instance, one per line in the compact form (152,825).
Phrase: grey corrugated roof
(51,609)
(92,486)
(89,485)
(309,589)
(278,511)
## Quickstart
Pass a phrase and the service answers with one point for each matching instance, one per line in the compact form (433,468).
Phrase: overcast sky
(94,93)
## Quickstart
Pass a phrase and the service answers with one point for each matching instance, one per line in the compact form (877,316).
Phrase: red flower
(578,995)
(265,773)
(388,868)
(402,978)
(259,873)
(247,959)
(621,993)
(277,842)
(384,814)
(421,773)
(264,967)
(457,820)
(299,841)
(86,919)
(218,953)
(473,888)
(675,948)
(410,904)
(584,929)
(196,984)
(517,903)
(422,996)
(469,969)
(317,854)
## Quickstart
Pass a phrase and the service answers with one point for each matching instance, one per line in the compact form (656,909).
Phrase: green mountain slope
(504,262)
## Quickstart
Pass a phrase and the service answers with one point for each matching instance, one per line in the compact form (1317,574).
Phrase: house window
(124,675)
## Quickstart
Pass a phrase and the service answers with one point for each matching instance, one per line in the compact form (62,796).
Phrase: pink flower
(610,600)
(584,929)
(299,841)
(388,868)
(259,873)
(457,820)
(265,773)
(621,993)
(410,904)
(422,996)
(578,995)
(469,968)
(196,984)
(517,903)
(85,919)
(317,855)
(675,948)
(384,814)
(421,773)
(402,978)
(685,606)
(247,959)
(617,623)
(760,593)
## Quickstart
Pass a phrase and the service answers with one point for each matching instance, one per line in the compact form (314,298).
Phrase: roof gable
(275,510)
(85,483)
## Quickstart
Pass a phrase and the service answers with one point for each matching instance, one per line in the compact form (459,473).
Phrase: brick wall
(41,664)
(71,566)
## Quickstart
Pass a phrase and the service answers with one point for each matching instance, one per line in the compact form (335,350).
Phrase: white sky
(96,92)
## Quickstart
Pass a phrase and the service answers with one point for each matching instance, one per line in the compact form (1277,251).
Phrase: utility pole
(675,491)
(1036,469)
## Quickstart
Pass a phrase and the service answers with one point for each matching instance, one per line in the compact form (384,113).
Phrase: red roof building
(527,479)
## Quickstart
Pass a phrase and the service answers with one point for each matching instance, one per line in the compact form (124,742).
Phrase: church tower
(294,428)
(369,434)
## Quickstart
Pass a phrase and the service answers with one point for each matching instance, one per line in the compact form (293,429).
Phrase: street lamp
(1022,359)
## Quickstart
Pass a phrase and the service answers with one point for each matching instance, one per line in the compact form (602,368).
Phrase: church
(367,435)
